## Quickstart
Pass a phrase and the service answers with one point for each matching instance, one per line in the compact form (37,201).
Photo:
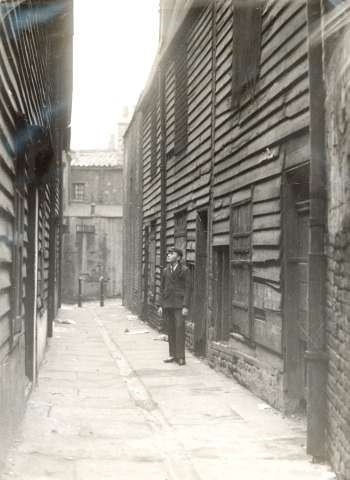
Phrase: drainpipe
(316,356)
(163,172)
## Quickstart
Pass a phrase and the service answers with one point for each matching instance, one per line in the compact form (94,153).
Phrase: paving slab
(107,407)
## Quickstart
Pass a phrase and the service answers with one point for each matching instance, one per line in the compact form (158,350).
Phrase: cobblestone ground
(107,407)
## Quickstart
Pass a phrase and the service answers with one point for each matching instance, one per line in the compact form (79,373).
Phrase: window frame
(181,97)
(74,197)
(241,61)
(236,263)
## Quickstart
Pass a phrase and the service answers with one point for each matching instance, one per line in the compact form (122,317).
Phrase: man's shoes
(181,361)
(169,360)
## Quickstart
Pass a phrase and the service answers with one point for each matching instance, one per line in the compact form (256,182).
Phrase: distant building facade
(93,211)
(238,153)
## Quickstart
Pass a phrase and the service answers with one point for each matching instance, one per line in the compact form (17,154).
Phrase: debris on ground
(161,338)
(65,321)
(135,332)
(264,406)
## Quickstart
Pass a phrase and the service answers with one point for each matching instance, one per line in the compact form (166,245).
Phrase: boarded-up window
(241,268)
(152,262)
(247,23)
(79,192)
(180,231)
(18,261)
(181,100)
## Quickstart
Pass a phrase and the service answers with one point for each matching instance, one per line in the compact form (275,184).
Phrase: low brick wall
(260,372)
(190,336)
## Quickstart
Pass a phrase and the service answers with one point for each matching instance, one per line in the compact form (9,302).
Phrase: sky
(115,43)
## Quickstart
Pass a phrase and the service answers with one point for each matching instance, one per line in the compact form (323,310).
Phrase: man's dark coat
(176,287)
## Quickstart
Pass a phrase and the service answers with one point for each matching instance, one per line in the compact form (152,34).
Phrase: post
(80,291)
(102,292)
(316,355)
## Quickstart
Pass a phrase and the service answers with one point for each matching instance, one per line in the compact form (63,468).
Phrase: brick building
(35,103)
(93,211)
(337,134)
(225,159)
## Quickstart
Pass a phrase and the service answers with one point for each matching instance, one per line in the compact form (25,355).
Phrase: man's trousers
(176,332)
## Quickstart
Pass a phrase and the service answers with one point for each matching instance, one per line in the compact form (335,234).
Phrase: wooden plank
(5,330)
(297,150)
(268,332)
(5,303)
(267,237)
(293,35)
(267,207)
(248,178)
(5,279)
(267,190)
(266,298)
(221,240)
(268,273)
(271,132)
(263,255)
(267,221)
(6,230)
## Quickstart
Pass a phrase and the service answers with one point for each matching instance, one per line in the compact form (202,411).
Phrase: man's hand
(185,311)
(160,311)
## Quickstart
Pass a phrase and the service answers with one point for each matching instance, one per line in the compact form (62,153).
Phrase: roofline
(94,150)
(163,50)
(120,166)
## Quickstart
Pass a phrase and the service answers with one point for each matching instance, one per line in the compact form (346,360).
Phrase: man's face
(172,257)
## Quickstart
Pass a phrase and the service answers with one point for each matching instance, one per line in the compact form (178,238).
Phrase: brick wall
(338,250)
(255,369)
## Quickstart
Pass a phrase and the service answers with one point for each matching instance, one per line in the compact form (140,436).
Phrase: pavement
(107,407)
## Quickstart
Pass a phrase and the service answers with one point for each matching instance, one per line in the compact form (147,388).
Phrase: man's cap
(176,250)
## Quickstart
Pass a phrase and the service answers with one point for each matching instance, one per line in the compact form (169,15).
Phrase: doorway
(31,286)
(221,287)
(297,204)
(199,304)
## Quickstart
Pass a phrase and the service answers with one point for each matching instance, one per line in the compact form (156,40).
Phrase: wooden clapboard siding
(132,234)
(27,86)
(278,112)
(151,204)
(236,152)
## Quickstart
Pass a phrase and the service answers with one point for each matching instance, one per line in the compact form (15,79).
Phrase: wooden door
(296,281)
(145,273)
(31,286)
(199,303)
(222,310)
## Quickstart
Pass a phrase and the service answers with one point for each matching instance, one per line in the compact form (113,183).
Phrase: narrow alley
(107,407)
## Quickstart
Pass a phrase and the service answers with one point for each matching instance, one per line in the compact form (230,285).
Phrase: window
(79,192)
(82,228)
(180,231)
(247,24)
(181,98)
(241,268)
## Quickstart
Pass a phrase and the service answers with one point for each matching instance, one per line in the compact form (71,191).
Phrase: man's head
(174,255)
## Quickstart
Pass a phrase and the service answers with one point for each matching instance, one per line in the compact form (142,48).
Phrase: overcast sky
(115,43)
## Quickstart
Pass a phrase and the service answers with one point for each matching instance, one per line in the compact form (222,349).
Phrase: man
(175,301)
